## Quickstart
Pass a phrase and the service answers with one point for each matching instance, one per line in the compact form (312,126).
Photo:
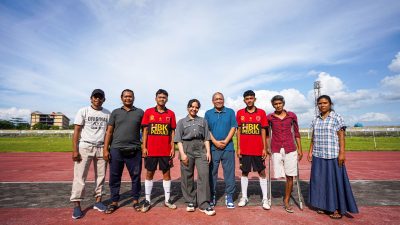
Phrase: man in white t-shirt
(87,144)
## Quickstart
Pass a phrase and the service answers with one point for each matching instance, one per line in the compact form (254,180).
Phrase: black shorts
(250,161)
(164,163)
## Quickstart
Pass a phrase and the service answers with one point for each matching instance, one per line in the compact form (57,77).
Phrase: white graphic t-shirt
(94,124)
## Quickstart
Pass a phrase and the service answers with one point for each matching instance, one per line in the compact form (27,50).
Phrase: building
(53,119)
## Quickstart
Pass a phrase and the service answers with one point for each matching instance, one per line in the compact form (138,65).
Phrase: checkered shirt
(326,140)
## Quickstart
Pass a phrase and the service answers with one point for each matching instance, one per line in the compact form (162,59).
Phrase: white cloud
(295,101)
(13,112)
(330,85)
(391,82)
(374,117)
(395,64)
(60,52)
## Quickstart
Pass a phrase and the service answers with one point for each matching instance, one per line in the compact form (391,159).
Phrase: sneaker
(265,204)
(146,206)
(243,202)
(229,202)
(213,201)
(77,213)
(169,204)
(100,206)
(190,207)
(208,211)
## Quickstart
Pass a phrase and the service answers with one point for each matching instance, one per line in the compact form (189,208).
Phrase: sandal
(288,209)
(136,206)
(320,212)
(110,209)
(336,215)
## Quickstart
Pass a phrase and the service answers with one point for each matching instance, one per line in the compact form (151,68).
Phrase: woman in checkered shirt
(330,191)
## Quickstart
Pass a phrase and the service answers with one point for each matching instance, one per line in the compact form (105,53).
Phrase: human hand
(238,153)
(264,154)
(299,156)
(106,155)
(341,159)
(76,157)
(172,153)
(185,159)
(208,155)
(144,152)
(309,157)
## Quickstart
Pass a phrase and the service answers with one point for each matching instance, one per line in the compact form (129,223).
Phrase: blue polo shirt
(220,123)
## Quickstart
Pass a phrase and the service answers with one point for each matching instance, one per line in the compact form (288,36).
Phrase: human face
(97,101)
(161,99)
(127,98)
(218,101)
(193,109)
(278,105)
(324,106)
(249,100)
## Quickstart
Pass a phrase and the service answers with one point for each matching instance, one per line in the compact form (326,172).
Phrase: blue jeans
(228,165)
(134,166)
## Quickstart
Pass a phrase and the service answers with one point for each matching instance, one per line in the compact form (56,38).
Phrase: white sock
(167,189)
(264,187)
(148,185)
(244,181)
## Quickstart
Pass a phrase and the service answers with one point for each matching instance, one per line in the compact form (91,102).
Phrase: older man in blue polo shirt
(222,124)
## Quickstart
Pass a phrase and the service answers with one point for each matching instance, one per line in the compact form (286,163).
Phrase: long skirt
(330,188)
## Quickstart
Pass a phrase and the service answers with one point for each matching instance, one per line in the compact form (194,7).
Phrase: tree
(4,124)
(23,126)
(54,127)
(41,126)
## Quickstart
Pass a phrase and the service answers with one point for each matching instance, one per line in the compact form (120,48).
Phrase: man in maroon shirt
(285,139)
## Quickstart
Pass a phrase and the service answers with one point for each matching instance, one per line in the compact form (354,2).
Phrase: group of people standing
(129,134)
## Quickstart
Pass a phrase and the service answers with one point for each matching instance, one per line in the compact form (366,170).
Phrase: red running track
(51,167)
(160,215)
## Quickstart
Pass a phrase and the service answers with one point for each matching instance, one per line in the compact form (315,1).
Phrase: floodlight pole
(317,93)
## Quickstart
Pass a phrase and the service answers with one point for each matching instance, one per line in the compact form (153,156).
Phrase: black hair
(127,90)
(278,98)
(248,93)
(191,102)
(325,97)
(162,91)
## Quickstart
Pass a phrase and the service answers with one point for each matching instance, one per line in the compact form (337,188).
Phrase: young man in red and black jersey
(159,125)
(252,146)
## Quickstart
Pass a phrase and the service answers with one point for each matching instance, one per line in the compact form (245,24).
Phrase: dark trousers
(134,166)
(227,158)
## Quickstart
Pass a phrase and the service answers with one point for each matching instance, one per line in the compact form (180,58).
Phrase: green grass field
(35,144)
(63,144)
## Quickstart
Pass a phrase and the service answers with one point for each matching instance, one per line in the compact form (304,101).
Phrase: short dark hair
(127,90)
(277,98)
(161,91)
(248,93)
(191,102)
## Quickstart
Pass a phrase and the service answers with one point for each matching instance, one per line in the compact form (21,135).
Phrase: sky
(53,54)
